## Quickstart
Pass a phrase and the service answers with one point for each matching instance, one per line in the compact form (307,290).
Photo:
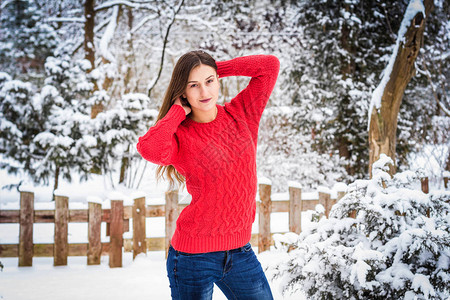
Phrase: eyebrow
(205,79)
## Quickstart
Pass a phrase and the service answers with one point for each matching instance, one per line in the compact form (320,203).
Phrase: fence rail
(117,220)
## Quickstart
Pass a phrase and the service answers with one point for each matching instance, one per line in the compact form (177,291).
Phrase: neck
(204,117)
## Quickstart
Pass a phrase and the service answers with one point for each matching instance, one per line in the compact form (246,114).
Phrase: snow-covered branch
(107,36)
(132,4)
(110,4)
(75,20)
(143,22)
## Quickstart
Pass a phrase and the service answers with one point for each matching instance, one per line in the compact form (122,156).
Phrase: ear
(184,95)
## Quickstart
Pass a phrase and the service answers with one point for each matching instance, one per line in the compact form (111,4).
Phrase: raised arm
(253,99)
(160,144)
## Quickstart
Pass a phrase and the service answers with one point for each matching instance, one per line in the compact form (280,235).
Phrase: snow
(323,189)
(108,34)
(397,242)
(414,7)
(360,269)
(70,282)
(145,278)
(61,192)
(340,187)
(382,162)
(264,180)
(294,184)
(320,209)
(116,3)
(26,188)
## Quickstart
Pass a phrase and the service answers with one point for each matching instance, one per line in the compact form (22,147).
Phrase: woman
(213,147)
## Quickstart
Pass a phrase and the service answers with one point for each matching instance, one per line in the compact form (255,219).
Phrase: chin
(208,106)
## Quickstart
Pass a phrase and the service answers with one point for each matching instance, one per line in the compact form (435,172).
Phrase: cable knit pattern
(217,158)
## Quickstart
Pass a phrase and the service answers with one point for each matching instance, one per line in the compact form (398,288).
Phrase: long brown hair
(176,88)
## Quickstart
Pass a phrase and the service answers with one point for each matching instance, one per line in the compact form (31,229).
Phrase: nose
(203,92)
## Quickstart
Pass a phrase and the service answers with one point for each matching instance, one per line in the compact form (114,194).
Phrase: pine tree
(46,131)
(19,124)
(397,246)
(117,130)
(25,39)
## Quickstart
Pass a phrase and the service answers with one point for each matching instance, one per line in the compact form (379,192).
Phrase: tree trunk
(55,187)
(89,49)
(347,71)
(129,58)
(107,83)
(123,168)
(130,53)
(383,122)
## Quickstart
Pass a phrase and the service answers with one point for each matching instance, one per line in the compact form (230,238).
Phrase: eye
(211,80)
(193,85)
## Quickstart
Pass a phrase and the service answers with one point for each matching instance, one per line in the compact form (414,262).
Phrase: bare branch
(175,12)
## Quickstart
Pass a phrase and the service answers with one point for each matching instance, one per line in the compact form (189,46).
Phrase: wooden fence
(117,219)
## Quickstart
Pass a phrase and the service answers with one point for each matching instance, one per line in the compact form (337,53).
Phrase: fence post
(446,176)
(139,214)
(424,184)
(265,208)
(295,208)
(61,245)
(94,233)
(340,195)
(26,219)
(171,214)
(116,234)
(325,200)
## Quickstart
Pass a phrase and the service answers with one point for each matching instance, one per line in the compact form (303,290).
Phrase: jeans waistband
(240,249)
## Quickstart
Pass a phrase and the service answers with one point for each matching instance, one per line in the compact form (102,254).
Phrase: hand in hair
(187,109)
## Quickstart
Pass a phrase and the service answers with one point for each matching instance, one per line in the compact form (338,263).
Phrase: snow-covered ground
(145,277)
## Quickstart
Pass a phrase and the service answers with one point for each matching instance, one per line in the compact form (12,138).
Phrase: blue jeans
(237,272)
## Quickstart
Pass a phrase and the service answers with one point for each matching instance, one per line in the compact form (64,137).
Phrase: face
(203,84)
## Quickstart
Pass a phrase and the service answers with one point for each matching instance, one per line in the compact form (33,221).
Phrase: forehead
(201,72)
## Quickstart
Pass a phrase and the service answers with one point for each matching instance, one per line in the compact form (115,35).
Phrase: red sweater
(217,158)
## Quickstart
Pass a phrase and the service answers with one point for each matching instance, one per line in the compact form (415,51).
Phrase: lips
(205,101)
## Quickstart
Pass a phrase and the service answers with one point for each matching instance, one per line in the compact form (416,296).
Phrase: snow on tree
(387,97)
(45,133)
(25,39)
(397,246)
(424,124)
(117,129)
(284,154)
(19,124)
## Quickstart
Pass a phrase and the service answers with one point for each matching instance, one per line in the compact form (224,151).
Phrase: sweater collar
(219,116)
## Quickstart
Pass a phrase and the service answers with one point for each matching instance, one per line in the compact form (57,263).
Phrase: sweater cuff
(177,112)
(224,68)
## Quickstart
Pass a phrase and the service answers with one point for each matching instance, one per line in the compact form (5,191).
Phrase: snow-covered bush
(44,129)
(118,127)
(397,246)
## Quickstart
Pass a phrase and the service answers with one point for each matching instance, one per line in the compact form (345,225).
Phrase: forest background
(80,81)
